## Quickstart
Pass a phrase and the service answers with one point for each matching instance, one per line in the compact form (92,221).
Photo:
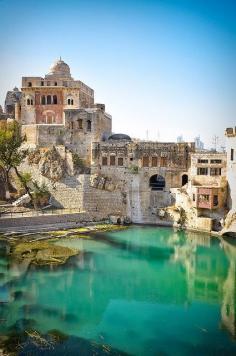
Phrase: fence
(39,213)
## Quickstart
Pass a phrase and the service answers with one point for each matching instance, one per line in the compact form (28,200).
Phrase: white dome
(60,70)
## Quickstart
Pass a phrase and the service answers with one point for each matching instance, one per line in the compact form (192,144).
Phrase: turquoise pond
(140,291)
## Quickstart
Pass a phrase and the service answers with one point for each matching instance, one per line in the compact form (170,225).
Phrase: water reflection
(137,273)
(228,309)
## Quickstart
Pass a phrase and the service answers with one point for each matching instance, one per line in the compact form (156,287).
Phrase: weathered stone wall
(231,167)
(74,191)
(44,135)
(72,219)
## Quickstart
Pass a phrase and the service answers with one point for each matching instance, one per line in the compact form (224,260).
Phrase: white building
(231,166)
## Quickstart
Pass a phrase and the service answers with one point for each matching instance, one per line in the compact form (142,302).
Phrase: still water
(140,291)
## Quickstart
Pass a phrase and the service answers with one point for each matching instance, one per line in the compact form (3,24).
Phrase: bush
(77,161)
(133,169)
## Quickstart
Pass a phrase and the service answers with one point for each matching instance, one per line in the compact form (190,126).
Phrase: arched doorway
(184,179)
(157,182)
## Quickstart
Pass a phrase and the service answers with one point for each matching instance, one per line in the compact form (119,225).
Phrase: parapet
(230,132)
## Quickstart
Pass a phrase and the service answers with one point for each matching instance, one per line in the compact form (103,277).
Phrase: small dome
(119,137)
(60,70)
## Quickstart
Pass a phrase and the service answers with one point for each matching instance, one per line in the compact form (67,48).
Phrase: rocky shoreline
(42,248)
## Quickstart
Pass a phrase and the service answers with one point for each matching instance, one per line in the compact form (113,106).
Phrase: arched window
(55,84)
(31,102)
(28,101)
(72,102)
(54,99)
(49,99)
(89,125)
(29,84)
(184,179)
(68,101)
(157,182)
(43,100)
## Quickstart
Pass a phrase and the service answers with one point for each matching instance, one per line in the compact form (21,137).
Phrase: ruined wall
(44,135)
(123,162)
(70,190)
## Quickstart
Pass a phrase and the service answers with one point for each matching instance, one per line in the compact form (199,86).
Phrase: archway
(157,182)
(184,179)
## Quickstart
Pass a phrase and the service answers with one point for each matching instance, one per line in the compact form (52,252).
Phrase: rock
(43,252)
(23,200)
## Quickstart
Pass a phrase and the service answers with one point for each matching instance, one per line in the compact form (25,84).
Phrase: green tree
(11,154)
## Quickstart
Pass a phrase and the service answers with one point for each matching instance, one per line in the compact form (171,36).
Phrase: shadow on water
(23,339)
(142,251)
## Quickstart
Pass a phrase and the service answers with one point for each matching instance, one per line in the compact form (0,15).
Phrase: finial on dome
(60,70)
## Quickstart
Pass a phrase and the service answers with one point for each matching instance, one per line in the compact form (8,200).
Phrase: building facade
(148,182)
(230,134)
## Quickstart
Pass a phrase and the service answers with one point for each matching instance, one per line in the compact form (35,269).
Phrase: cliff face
(230,224)
(52,163)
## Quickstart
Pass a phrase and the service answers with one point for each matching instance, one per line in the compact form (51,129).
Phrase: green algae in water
(142,291)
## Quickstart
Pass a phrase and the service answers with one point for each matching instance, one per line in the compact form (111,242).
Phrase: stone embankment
(46,222)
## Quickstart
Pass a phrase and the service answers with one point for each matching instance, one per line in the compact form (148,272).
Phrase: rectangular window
(215,200)
(42,84)
(120,161)
(215,171)
(202,171)
(163,162)
(104,161)
(202,161)
(232,154)
(216,161)
(80,124)
(112,160)
(154,161)
(145,161)
(193,197)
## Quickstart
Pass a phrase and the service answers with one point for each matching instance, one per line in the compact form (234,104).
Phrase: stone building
(208,180)
(44,99)
(204,197)
(231,165)
(58,110)
(145,170)
(88,168)
(13,98)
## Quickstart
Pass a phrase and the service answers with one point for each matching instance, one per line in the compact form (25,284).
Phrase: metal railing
(32,213)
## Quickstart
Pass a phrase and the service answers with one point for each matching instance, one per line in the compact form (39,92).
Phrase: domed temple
(122,176)
(58,110)
(59,70)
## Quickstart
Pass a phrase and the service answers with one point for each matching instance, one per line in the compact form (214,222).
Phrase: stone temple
(94,170)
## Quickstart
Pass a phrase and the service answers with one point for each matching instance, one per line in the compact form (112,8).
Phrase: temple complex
(88,167)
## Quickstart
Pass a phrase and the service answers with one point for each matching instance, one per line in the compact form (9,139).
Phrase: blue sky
(164,66)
